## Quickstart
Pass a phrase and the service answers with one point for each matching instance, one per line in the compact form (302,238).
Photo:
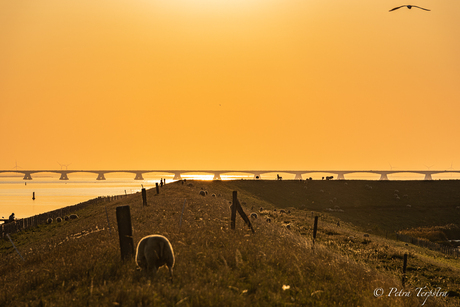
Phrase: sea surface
(16,194)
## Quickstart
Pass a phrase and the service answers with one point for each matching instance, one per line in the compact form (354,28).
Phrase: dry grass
(437,234)
(77,263)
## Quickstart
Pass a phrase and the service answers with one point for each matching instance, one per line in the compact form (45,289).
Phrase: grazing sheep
(254,215)
(73,216)
(153,252)
(282,211)
(269,220)
(66,218)
(58,219)
(202,193)
(49,220)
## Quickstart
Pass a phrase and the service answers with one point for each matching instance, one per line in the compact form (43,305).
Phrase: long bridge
(339,174)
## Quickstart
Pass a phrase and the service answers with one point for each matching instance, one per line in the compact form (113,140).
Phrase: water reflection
(52,193)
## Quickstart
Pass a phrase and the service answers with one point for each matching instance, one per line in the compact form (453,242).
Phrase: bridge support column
(216,176)
(383,176)
(63,176)
(100,176)
(340,176)
(138,176)
(428,177)
(298,176)
(27,176)
(177,176)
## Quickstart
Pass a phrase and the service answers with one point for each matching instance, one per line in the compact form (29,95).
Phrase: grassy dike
(77,262)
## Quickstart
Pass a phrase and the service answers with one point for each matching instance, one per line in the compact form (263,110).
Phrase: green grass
(78,262)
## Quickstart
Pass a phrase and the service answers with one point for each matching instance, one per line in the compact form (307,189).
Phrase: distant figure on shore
(409,6)
(11,218)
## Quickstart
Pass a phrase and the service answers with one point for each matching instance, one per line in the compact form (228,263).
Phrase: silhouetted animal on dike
(154,251)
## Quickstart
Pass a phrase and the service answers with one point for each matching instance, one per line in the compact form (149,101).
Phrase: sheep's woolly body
(154,251)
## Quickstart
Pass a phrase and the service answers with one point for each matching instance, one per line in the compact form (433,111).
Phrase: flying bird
(409,6)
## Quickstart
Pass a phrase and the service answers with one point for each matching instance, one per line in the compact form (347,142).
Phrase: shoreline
(33,221)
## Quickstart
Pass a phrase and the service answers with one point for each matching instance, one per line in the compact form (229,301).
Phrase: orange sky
(220,84)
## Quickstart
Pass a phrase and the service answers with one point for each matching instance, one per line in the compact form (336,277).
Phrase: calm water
(52,193)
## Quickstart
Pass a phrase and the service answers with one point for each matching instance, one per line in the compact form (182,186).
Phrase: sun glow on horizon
(202,84)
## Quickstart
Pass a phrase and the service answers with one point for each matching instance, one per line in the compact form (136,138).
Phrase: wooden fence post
(243,215)
(237,206)
(144,197)
(315,228)
(404,269)
(233,216)
(125,232)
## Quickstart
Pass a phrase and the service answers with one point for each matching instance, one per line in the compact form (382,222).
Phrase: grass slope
(77,262)
(371,205)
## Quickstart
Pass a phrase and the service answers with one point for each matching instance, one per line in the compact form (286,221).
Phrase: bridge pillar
(138,176)
(257,176)
(63,176)
(340,176)
(100,176)
(27,176)
(216,176)
(177,176)
(298,176)
(383,176)
(428,176)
